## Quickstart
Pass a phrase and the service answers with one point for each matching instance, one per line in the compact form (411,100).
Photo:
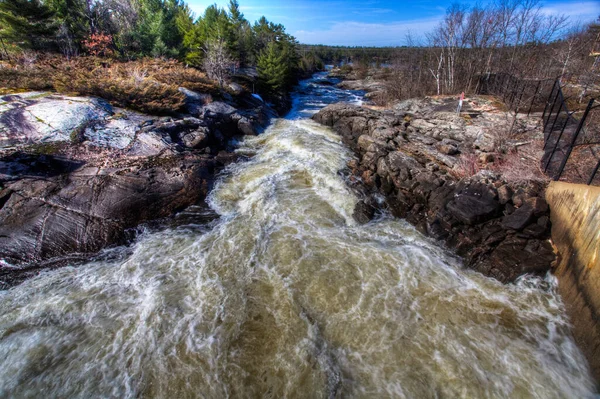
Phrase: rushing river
(284,295)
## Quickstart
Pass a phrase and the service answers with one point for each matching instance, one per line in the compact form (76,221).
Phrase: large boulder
(475,204)
(516,256)
(363,212)
(229,122)
(194,101)
(60,209)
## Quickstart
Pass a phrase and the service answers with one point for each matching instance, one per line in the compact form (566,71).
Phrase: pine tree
(272,67)
(236,47)
(73,18)
(28,23)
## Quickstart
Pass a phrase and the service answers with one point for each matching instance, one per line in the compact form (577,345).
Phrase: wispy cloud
(373,11)
(373,22)
(585,10)
(368,34)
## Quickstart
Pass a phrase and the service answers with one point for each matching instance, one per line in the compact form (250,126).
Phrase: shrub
(12,79)
(122,87)
(346,68)
(98,44)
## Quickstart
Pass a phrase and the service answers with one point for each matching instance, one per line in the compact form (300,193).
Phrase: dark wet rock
(515,256)
(534,230)
(217,108)
(194,101)
(519,218)
(472,210)
(539,205)
(407,156)
(61,212)
(504,194)
(363,212)
(544,221)
(230,122)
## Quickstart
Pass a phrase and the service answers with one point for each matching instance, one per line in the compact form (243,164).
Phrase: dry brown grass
(521,164)
(467,166)
(147,85)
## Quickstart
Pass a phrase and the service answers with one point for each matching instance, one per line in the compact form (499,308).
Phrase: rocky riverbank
(371,81)
(76,174)
(446,175)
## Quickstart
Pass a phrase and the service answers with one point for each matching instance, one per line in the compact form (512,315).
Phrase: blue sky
(372,22)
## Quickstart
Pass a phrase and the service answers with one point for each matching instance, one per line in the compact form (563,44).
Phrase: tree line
(220,41)
(507,36)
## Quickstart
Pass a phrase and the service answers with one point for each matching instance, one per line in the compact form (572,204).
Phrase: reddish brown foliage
(98,44)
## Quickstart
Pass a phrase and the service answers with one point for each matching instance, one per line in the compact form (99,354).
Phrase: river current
(284,295)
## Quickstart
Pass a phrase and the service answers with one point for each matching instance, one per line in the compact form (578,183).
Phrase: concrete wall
(575,215)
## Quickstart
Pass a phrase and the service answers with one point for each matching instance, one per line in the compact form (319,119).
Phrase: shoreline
(74,195)
(500,228)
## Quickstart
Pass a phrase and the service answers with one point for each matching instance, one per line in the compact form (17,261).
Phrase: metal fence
(520,95)
(571,138)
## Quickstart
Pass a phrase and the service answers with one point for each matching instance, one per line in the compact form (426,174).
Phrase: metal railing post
(537,88)
(513,93)
(594,173)
(506,82)
(552,108)
(574,139)
(520,97)
(556,144)
(548,103)
(554,123)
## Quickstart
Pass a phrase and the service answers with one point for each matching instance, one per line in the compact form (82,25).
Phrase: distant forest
(509,36)
(512,37)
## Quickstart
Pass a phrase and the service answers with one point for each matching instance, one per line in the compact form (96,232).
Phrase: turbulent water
(285,296)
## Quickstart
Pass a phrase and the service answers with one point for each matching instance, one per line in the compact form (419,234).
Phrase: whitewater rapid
(284,295)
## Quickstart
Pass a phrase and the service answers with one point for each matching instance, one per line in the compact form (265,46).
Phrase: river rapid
(284,295)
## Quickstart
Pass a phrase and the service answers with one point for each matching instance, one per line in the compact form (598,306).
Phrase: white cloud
(368,34)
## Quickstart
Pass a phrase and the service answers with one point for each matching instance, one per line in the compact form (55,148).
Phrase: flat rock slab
(114,133)
(43,117)
(39,118)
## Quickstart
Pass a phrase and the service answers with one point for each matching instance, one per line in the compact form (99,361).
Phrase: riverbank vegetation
(112,49)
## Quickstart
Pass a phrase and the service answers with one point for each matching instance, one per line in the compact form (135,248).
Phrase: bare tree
(565,51)
(217,61)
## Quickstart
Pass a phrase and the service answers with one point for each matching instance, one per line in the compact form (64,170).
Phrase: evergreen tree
(28,23)
(272,67)
(74,24)
(214,25)
(278,59)
(237,47)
